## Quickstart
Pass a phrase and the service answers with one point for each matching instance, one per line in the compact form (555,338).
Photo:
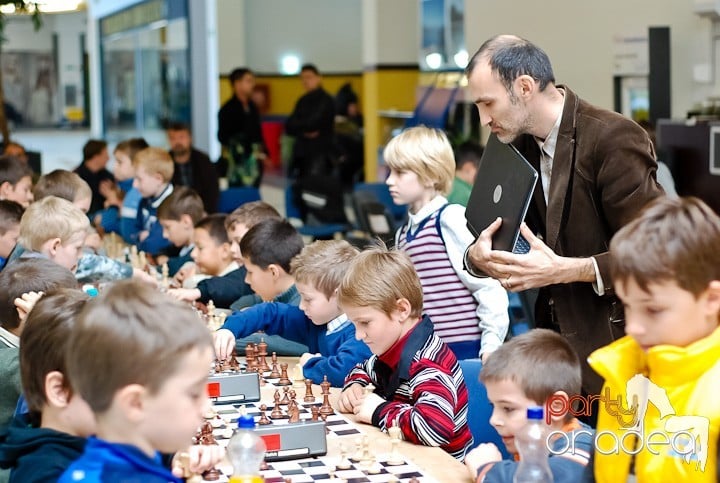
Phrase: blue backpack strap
(437,221)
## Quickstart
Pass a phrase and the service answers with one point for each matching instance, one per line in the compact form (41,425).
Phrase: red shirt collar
(391,357)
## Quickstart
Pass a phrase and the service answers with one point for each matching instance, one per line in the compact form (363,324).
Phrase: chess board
(337,424)
(324,468)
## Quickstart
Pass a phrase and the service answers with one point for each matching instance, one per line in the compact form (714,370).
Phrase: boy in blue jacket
(318,322)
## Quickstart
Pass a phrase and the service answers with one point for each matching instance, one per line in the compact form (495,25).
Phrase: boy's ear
(186,220)
(51,246)
(403,308)
(55,393)
(558,402)
(713,298)
(131,401)
(275,270)
(5,187)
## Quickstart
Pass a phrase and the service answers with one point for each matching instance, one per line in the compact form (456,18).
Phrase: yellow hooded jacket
(684,382)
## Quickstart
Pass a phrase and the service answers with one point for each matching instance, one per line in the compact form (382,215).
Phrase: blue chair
(322,231)
(231,198)
(433,108)
(479,407)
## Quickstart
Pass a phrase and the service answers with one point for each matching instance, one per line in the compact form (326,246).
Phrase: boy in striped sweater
(417,381)
(470,314)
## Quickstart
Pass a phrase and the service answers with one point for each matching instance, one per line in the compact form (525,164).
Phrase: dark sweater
(225,290)
(203,179)
(37,454)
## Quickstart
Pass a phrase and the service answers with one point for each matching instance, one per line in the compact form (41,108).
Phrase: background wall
(579,38)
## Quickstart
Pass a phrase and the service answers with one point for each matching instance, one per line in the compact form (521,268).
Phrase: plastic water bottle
(246,451)
(531,443)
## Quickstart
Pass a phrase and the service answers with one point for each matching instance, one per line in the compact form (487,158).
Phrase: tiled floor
(62,149)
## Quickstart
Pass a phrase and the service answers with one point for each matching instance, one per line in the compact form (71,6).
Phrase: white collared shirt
(8,339)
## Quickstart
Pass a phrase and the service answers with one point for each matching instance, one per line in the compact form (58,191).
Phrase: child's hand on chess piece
(197,459)
(25,303)
(306,357)
(186,272)
(224,342)
(367,406)
(483,454)
(185,294)
(350,397)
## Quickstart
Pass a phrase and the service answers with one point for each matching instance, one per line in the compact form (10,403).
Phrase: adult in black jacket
(193,167)
(312,125)
(239,119)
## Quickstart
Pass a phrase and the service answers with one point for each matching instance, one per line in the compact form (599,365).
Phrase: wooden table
(433,461)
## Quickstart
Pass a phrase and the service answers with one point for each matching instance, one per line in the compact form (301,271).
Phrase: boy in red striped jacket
(418,383)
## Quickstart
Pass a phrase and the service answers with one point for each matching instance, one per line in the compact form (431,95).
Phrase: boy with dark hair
(93,170)
(418,382)
(177,215)
(40,445)
(150,401)
(212,256)
(232,290)
(10,215)
(15,181)
(153,174)
(467,160)
(538,368)
(665,267)
(317,322)
(21,284)
(267,249)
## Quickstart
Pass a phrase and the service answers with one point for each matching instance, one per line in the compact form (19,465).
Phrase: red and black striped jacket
(425,393)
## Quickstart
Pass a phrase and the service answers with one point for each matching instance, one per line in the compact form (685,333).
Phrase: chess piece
(369,389)
(213,474)
(366,458)
(414,480)
(344,463)
(309,397)
(274,373)
(395,436)
(134,256)
(298,377)
(294,413)
(315,411)
(284,380)
(326,408)
(262,353)
(263,417)
(286,397)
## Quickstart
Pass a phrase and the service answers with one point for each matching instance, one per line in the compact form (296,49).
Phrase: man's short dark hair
(311,68)
(271,242)
(178,126)
(238,74)
(10,214)
(92,148)
(29,275)
(468,152)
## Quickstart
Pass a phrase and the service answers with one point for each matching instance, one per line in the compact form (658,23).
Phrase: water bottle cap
(535,412)
(246,421)
(91,290)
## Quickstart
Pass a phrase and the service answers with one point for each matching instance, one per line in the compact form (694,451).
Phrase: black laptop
(503,188)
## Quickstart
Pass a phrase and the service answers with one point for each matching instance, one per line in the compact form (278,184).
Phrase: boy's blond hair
(130,334)
(378,278)
(541,362)
(322,264)
(63,184)
(250,214)
(426,152)
(155,161)
(673,239)
(49,218)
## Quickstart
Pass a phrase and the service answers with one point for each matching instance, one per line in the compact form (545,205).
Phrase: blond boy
(318,322)
(153,174)
(66,185)
(139,359)
(418,383)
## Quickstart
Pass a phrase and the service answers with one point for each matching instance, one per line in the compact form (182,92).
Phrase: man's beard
(180,151)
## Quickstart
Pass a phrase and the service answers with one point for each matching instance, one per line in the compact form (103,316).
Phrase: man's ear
(131,401)
(55,393)
(525,86)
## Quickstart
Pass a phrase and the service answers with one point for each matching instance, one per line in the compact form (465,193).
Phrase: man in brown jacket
(597,170)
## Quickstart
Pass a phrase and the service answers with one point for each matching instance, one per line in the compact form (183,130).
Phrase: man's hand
(350,398)
(483,454)
(224,342)
(539,267)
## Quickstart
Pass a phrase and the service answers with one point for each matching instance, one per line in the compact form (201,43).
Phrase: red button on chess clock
(213,389)
(272,441)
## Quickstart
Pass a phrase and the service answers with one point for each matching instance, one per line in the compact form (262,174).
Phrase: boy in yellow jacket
(666,269)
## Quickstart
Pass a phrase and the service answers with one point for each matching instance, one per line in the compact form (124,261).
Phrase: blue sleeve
(155,243)
(130,223)
(274,318)
(337,364)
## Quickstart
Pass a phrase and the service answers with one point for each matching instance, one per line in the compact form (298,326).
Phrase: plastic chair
(382,194)
(434,108)
(231,198)
(373,218)
(479,407)
(320,231)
